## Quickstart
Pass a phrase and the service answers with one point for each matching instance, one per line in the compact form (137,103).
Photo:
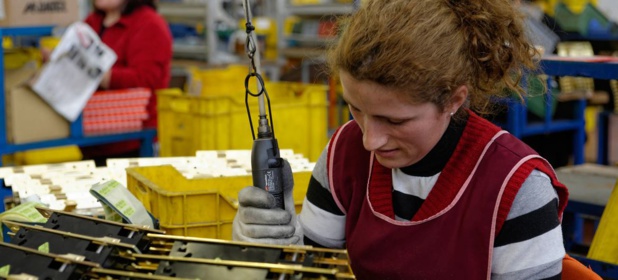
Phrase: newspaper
(74,71)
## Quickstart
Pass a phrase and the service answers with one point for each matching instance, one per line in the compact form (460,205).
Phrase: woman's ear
(459,97)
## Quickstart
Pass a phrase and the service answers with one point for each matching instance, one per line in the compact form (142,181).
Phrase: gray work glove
(259,221)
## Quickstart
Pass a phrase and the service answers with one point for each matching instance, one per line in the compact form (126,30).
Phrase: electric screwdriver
(266,163)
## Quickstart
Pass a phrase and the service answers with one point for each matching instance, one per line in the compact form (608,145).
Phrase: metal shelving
(320,9)
(310,39)
(578,207)
(518,125)
(207,12)
(76,137)
(313,53)
(598,70)
(312,45)
(199,51)
(312,49)
(174,9)
(590,69)
(571,36)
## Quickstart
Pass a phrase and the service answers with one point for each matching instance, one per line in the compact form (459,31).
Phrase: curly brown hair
(428,48)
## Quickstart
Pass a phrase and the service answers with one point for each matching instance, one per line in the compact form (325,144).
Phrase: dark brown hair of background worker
(132,5)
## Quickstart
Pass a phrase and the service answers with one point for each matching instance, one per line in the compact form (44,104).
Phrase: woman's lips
(386,153)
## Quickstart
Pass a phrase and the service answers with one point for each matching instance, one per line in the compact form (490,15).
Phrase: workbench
(590,187)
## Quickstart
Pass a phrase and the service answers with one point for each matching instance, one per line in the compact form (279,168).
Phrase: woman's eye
(395,122)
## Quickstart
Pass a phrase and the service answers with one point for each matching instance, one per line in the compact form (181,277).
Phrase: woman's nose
(374,134)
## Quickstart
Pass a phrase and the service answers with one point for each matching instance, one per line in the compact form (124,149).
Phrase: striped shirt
(529,245)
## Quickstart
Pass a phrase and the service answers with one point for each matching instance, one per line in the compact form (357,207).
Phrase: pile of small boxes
(116,111)
(66,186)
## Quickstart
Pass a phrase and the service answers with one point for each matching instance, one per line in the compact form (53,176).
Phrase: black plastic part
(42,267)
(225,252)
(93,228)
(235,252)
(60,245)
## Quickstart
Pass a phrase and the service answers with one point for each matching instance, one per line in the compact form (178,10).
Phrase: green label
(5,270)
(28,212)
(108,188)
(124,208)
(44,247)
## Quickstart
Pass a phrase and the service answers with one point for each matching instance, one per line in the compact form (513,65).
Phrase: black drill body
(266,168)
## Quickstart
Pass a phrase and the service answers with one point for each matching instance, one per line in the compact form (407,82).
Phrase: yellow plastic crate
(577,6)
(217,81)
(191,123)
(202,207)
(16,58)
(604,245)
(225,81)
(48,155)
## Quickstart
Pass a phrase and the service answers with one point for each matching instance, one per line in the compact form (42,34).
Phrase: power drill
(266,163)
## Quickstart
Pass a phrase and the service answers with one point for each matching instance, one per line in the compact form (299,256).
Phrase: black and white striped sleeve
(529,245)
(322,221)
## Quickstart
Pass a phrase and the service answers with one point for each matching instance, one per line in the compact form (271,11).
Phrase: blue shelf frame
(518,125)
(573,36)
(517,121)
(77,137)
(574,229)
(595,70)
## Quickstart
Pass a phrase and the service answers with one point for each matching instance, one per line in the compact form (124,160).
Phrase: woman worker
(418,186)
(142,42)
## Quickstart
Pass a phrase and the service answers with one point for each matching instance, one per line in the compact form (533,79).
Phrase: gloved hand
(259,221)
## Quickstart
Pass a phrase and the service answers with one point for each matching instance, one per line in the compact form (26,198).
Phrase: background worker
(418,186)
(143,43)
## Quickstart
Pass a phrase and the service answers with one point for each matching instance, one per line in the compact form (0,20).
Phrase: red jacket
(452,235)
(143,43)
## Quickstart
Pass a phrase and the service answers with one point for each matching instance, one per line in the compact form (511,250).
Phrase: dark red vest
(452,234)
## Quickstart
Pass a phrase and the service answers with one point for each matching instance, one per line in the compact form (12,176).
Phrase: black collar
(437,158)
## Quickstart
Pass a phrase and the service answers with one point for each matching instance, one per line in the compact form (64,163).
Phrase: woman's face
(399,132)
(109,5)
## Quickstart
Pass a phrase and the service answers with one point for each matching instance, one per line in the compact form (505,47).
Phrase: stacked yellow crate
(218,121)
(205,205)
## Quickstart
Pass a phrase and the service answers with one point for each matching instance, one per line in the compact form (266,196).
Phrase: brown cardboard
(39,12)
(28,117)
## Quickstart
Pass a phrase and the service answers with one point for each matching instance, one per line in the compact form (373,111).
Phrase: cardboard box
(28,117)
(38,12)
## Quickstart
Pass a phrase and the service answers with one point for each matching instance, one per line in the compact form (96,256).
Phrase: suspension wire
(254,71)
